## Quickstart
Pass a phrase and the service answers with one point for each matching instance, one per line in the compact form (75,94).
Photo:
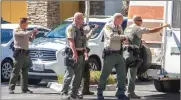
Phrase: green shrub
(94,78)
(60,78)
(95,75)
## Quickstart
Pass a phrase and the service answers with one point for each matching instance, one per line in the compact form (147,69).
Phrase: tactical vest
(133,37)
(80,38)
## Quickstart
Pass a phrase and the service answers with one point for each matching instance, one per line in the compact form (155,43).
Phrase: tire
(94,65)
(34,81)
(6,69)
(172,86)
(159,85)
(145,78)
(146,56)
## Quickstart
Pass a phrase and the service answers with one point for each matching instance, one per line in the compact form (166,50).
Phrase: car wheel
(94,65)
(34,81)
(145,78)
(159,85)
(6,68)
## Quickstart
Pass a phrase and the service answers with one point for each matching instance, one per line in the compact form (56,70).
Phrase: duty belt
(22,50)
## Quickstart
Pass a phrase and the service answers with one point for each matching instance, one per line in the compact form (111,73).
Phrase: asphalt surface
(41,92)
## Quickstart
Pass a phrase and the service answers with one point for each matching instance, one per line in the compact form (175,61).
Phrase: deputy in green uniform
(131,53)
(21,56)
(113,36)
(77,43)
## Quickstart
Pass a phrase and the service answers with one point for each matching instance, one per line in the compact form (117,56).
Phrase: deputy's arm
(70,35)
(32,37)
(88,36)
(154,30)
(110,34)
(21,33)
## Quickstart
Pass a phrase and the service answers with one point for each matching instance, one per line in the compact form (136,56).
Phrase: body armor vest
(80,38)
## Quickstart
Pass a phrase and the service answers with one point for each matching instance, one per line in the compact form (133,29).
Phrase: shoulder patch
(70,29)
(108,27)
(18,29)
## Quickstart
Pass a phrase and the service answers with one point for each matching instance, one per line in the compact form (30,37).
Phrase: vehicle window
(59,31)
(43,30)
(30,29)
(176,15)
(6,35)
(98,30)
(40,34)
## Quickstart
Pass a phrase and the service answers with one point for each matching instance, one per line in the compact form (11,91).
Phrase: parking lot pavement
(41,92)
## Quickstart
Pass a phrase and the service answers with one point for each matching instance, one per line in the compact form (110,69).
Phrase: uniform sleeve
(21,33)
(110,34)
(70,32)
(143,30)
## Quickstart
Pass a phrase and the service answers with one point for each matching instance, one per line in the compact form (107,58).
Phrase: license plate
(38,67)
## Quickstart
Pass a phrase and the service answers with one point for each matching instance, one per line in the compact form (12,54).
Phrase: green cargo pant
(71,71)
(131,69)
(22,62)
(117,61)
(85,79)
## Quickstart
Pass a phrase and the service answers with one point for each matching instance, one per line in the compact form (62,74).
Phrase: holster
(107,52)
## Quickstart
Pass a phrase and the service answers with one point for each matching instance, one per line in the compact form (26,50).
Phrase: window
(176,14)
(59,31)
(6,35)
(40,34)
(43,30)
(98,30)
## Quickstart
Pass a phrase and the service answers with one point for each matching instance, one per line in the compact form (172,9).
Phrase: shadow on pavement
(167,96)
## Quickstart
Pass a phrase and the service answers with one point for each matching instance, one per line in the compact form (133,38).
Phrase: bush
(95,75)
(94,78)
(60,78)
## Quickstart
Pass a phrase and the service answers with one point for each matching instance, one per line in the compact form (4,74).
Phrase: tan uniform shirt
(111,36)
(21,38)
(137,30)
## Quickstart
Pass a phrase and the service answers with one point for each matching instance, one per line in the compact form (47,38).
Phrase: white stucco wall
(112,6)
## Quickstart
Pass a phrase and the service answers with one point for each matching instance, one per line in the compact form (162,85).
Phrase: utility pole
(87,11)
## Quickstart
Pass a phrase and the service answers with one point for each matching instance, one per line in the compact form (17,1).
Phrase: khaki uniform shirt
(112,40)
(21,38)
(135,30)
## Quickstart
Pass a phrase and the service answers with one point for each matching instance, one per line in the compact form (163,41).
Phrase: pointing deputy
(131,53)
(21,37)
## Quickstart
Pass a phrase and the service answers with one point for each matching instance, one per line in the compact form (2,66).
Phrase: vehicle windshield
(59,31)
(6,35)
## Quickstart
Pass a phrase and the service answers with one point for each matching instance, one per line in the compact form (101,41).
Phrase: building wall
(68,8)
(37,11)
(13,10)
(112,7)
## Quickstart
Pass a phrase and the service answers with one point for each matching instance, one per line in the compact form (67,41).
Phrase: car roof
(13,26)
(95,18)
